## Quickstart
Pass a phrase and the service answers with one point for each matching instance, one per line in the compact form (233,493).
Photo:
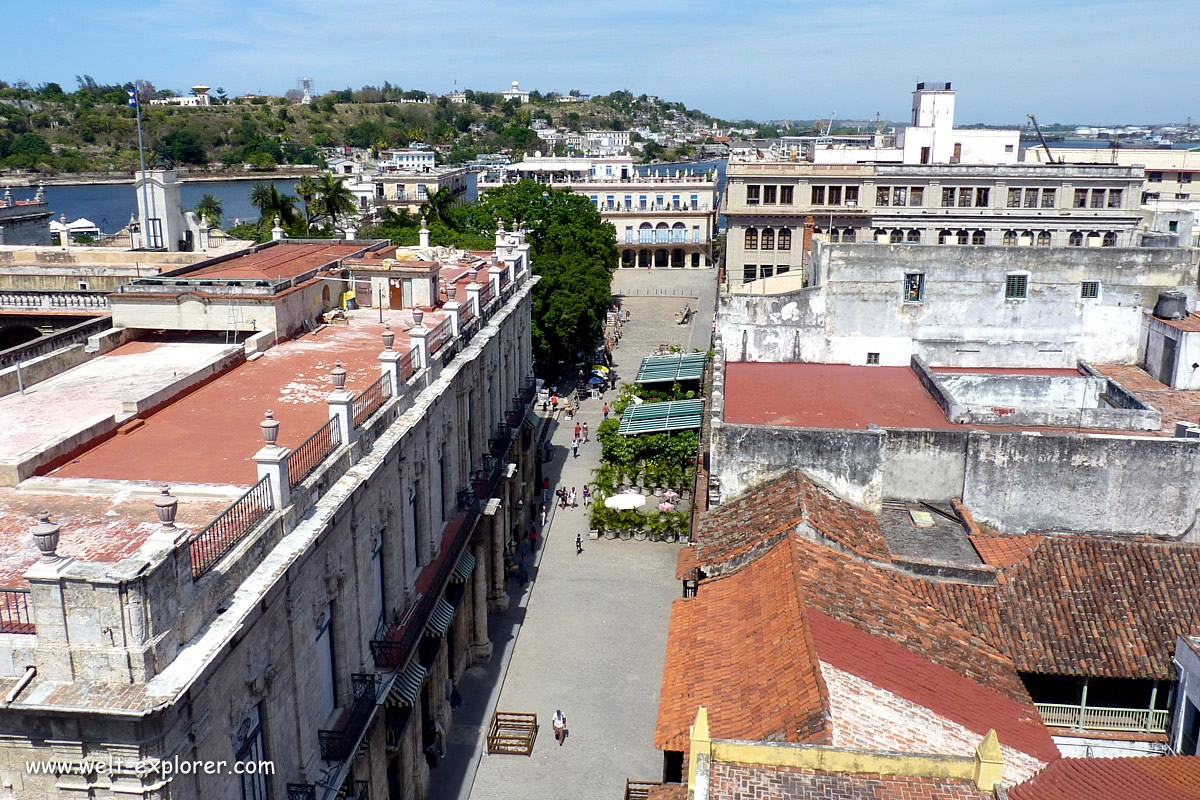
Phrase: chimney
(807,246)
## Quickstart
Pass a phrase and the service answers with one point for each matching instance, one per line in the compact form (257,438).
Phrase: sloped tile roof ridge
(838,520)
(1130,778)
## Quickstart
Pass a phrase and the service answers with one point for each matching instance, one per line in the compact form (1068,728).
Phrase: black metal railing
(307,457)
(14,611)
(406,366)
(401,640)
(301,791)
(440,335)
(371,399)
(338,745)
(485,479)
(486,293)
(358,790)
(209,545)
(528,389)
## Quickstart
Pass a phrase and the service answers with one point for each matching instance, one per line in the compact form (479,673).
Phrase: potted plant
(624,525)
(640,526)
(654,527)
(670,526)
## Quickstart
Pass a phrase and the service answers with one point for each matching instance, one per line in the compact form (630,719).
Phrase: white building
(406,159)
(515,92)
(199,97)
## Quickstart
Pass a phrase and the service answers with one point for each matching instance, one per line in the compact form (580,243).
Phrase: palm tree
(210,208)
(437,207)
(334,199)
(306,187)
(270,204)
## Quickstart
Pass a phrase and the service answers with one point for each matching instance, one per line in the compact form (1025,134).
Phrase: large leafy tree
(572,249)
(270,203)
(306,188)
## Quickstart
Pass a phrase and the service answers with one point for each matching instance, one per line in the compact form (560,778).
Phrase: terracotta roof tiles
(1004,551)
(733,781)
(1161,778)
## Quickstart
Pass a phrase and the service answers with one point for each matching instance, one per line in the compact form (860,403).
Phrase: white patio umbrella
(625,501)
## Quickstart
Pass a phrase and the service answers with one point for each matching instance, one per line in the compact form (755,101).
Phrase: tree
(270,204)
(437,206)
(306,189)
(573,250)
(333,199)
(182,147)
(210,207)
(145,90)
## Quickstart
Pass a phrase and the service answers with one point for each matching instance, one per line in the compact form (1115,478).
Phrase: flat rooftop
(71,400)
(104,528)
(844,396)
(281,262)
(209,436)
(1176,405)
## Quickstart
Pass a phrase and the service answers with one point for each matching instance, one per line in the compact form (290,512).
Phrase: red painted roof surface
(210,435)
(103,528)
(272,263)
(1189,324)
(828,396)
(1176,405)
(1152,778)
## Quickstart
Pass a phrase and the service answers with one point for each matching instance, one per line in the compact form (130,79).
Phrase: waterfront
(110,205)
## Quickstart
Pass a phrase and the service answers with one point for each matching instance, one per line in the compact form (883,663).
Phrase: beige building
(661,221)
(937,185)
(283,620)
(410,189)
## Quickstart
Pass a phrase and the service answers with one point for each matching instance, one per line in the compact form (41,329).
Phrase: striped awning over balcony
(463,569)
(676,415)
(440,619)
(407,686)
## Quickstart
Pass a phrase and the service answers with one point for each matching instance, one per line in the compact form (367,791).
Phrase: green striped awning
(440,619)
(462,570)
(532,420)
(668,369)
(677,415)
(407,685)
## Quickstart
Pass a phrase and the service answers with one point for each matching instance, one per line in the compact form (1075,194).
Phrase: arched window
(1110,240)
(896,237)
(1010,238)
(1026,239)
(678,233)
(1043,239)
(849,235)
(944,236)
(1075,239)
(1093,239)
(881,235)
(963,237)
(978,237)
(785,238)
(914,237)
(833,237)
(751,239)
(645,234)
(768,239)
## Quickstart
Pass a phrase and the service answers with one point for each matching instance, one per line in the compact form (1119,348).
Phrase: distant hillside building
(515,92)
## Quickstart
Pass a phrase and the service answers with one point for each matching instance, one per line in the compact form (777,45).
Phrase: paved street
(588,633)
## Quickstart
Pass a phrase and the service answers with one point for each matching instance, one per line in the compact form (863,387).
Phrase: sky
(1070,61)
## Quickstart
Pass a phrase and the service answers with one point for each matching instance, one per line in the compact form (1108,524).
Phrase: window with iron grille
(872,359)
(914,287)
(1089,290)
(1016,287)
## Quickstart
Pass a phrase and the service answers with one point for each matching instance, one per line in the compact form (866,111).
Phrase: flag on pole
(132,95)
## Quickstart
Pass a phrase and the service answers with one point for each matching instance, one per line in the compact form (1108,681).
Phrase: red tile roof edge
(1130,778)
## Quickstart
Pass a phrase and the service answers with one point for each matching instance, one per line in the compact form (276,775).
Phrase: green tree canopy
(572,249)
(333,199)
(211,208)
(182,147)
(270,204)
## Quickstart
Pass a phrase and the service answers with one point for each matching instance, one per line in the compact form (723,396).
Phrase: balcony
(1095,718)
(338,745)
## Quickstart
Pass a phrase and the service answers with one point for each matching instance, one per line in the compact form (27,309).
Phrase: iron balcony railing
(486,293)
(301,791)
(528,389)
(406,367)
(500,440)
(440,335)
(337,745)
(14,612)
(302,461)
(207,547)
(401,639)
(371,398)
(1096,718)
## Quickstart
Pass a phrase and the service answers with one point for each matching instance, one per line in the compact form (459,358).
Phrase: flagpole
(137,105)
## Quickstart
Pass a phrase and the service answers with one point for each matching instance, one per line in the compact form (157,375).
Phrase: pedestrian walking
(572,497)
(606,410)
(554,402)
(570,408)
(575,447)
(545,491)
(559,724)
(533,540)
(587,495)
(549,448)
(562,498)
(524,572)
(578,543)
(578,430)
(544,515)
(586,437)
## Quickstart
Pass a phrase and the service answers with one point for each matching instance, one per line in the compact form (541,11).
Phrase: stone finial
(45,536)
(389,337)
(418,315)
(203,221)
(451,290)
(270,429)
(165,505)
(339,376)
(500,229)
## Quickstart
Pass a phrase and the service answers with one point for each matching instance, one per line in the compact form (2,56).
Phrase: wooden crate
(512,732)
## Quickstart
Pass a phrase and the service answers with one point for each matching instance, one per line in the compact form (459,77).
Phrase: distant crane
(1045,146)
(829,128)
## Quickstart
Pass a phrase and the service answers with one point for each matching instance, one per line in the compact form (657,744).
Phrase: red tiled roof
(944,691)
(1189,324)
(1004,551)
(1175,404)
(742,648)
(733,781)
(1149,778)
(1084,605)
(734,533)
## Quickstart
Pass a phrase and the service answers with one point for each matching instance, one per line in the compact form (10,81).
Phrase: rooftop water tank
(1171,305)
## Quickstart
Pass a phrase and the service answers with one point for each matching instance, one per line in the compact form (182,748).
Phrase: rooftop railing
(440,335)
(209,545)
(371,398)
(57,301)
(14,612)
(1096,718)
(307,457)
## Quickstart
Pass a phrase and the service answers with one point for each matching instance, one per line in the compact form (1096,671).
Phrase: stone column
(418,337)
(340,404)
(277,231)
(481,646)
(499,591)
(272,463)
(494,274)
